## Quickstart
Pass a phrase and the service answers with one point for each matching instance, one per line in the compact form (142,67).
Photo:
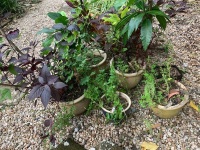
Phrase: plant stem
(10,85)
(10,42)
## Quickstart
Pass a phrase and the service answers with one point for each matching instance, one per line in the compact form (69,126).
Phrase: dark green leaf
(124,30)
(125,38)
(157,13)
(140,4)
(146,33)
(124,21)
(130,2)
(162,21)
(12,70)
(62,19)
(5,94)
(54,15)
(134,24)
(48,41)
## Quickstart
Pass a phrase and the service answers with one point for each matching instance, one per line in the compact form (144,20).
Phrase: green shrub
(9,6)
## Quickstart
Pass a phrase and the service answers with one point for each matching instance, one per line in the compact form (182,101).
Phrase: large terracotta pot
(78,105)
(169,112)
(129,80)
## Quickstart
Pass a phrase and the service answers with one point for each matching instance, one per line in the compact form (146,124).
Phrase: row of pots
(128,80)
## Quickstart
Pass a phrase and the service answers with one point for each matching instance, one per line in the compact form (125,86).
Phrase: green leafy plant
(5,94)
(9,6)
(140,17)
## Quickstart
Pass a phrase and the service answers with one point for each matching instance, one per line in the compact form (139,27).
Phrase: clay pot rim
(74,101)
(99,53)
(125,97)
(129,74)
(186,99)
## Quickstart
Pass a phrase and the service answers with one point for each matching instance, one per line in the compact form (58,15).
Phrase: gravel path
(21,125)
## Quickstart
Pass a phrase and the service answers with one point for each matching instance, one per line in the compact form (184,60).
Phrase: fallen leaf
(149,146)
(154,126)
(194,106)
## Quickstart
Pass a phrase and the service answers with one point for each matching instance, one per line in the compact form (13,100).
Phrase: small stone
(66,143)
(76,130)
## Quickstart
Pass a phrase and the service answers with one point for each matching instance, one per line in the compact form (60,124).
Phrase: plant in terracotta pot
(165,96)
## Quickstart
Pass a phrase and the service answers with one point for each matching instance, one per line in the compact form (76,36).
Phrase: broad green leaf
(11,69)
(113,19)
(124,12)
(124,30)
(62,19)
(162,21)
(119,3)
(54,15)
(125,38)
(134,24)
(157,13)
(48,41)
(63,13)
(146,33)
(5,94)
(140,4)
(124,21)
(130,2)
(46,30)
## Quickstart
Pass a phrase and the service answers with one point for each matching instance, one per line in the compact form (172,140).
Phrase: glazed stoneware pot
(78,105)
(122,95)
(103,63)
(129,80)
(171,111)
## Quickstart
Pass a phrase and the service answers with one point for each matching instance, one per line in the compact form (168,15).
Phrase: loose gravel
(21,126)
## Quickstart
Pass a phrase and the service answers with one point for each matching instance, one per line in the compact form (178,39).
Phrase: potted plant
(165,96)
(113,103)
(130,30)
(126,78)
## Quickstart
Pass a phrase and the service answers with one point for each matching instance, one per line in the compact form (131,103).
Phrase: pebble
(23,124)
(66,143)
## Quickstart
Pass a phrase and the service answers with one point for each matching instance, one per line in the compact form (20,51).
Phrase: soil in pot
(109,105)
(72,93)
(174,97)
(173,106)
(94,59)
(123,65)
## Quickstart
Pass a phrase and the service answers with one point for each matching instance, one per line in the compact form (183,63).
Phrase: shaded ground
(21,125)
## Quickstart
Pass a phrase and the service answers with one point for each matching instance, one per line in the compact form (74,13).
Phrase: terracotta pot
(102,64)
(80,105)
(169,112)
(129,80)
(125,97)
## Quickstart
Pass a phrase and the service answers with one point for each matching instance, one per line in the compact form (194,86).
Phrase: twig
(10,42)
